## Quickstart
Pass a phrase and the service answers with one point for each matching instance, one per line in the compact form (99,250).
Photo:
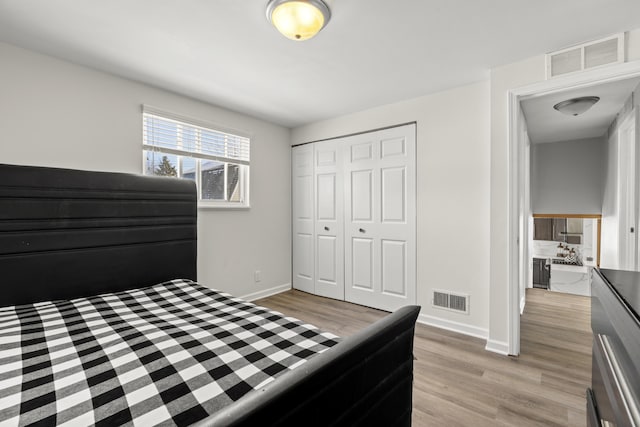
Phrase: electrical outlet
(256,276)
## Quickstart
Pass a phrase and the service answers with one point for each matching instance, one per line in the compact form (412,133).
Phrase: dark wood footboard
(365,380)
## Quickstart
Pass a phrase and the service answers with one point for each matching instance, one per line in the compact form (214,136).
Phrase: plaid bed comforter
(169,354)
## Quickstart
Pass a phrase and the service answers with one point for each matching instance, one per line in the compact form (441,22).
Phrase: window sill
(223,205)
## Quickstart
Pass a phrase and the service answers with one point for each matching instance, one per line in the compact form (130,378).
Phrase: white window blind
(216,160)
(174,136)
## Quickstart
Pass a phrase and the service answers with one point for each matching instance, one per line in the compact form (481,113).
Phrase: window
(217,161)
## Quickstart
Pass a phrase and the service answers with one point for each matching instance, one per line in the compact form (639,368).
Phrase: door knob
(362,230)
(326,228)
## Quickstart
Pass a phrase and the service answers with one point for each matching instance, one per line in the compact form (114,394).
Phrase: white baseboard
(492,345)
(450,325)
(522,303)
(499,347)
(267,292)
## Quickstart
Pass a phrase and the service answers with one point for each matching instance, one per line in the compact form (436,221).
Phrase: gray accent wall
(567,177)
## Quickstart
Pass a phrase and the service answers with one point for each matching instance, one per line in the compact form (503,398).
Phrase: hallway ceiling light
(576,106)
(298,19)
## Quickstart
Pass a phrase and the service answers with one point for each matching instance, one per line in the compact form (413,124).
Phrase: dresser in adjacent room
(614,399)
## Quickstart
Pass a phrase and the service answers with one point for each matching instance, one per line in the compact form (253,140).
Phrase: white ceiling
(372,52)
(545,124)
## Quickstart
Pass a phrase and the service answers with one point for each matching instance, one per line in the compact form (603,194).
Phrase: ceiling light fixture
(298,19)
(576,106)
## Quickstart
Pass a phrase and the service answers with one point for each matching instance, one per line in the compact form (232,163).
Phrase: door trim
(517,169)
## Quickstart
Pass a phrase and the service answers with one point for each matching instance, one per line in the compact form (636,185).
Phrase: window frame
(180,153)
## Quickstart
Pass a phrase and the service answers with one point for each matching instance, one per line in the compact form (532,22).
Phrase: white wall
(54,113)
(452,193)
(567,177)
(503,79)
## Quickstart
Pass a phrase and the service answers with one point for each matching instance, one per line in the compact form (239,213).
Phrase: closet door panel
(392,147)
(362,195)
(394,267)
(326,197)
(393,195)
(303,254)
(361,151)
(305,257)
(329,220)
(327,248)
(362,263)
(303,202)
(380,209)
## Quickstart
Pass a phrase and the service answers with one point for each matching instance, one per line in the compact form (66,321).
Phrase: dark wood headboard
(70,233)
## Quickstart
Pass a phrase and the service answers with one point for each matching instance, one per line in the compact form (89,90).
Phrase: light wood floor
(458,383)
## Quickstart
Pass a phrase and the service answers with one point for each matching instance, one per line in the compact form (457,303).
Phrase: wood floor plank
(458,383)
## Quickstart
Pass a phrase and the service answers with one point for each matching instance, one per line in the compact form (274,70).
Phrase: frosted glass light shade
(298,19)
(576,106)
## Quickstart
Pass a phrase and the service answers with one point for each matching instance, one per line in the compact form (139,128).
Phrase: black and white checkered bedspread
(169,354)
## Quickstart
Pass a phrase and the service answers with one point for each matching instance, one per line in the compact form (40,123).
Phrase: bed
(102,321)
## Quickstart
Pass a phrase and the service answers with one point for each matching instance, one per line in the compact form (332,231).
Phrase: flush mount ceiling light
(576,106)
(298,19)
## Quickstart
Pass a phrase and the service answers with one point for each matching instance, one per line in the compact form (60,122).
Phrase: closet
(354,218)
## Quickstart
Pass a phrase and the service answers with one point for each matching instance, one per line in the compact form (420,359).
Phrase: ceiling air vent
(607,51)
(450,301)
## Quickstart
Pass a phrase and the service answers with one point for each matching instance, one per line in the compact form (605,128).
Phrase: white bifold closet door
(302,214)
(329,220)
(380,218)
(318,219)
(354,218)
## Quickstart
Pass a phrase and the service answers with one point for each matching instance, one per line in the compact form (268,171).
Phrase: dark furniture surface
(627,286)
(541,273)
(68,233)
(614,398)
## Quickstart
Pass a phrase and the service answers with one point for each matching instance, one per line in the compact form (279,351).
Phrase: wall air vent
(606,51)
(450,301)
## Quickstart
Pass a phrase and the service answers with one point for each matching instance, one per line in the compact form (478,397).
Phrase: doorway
(519,212)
